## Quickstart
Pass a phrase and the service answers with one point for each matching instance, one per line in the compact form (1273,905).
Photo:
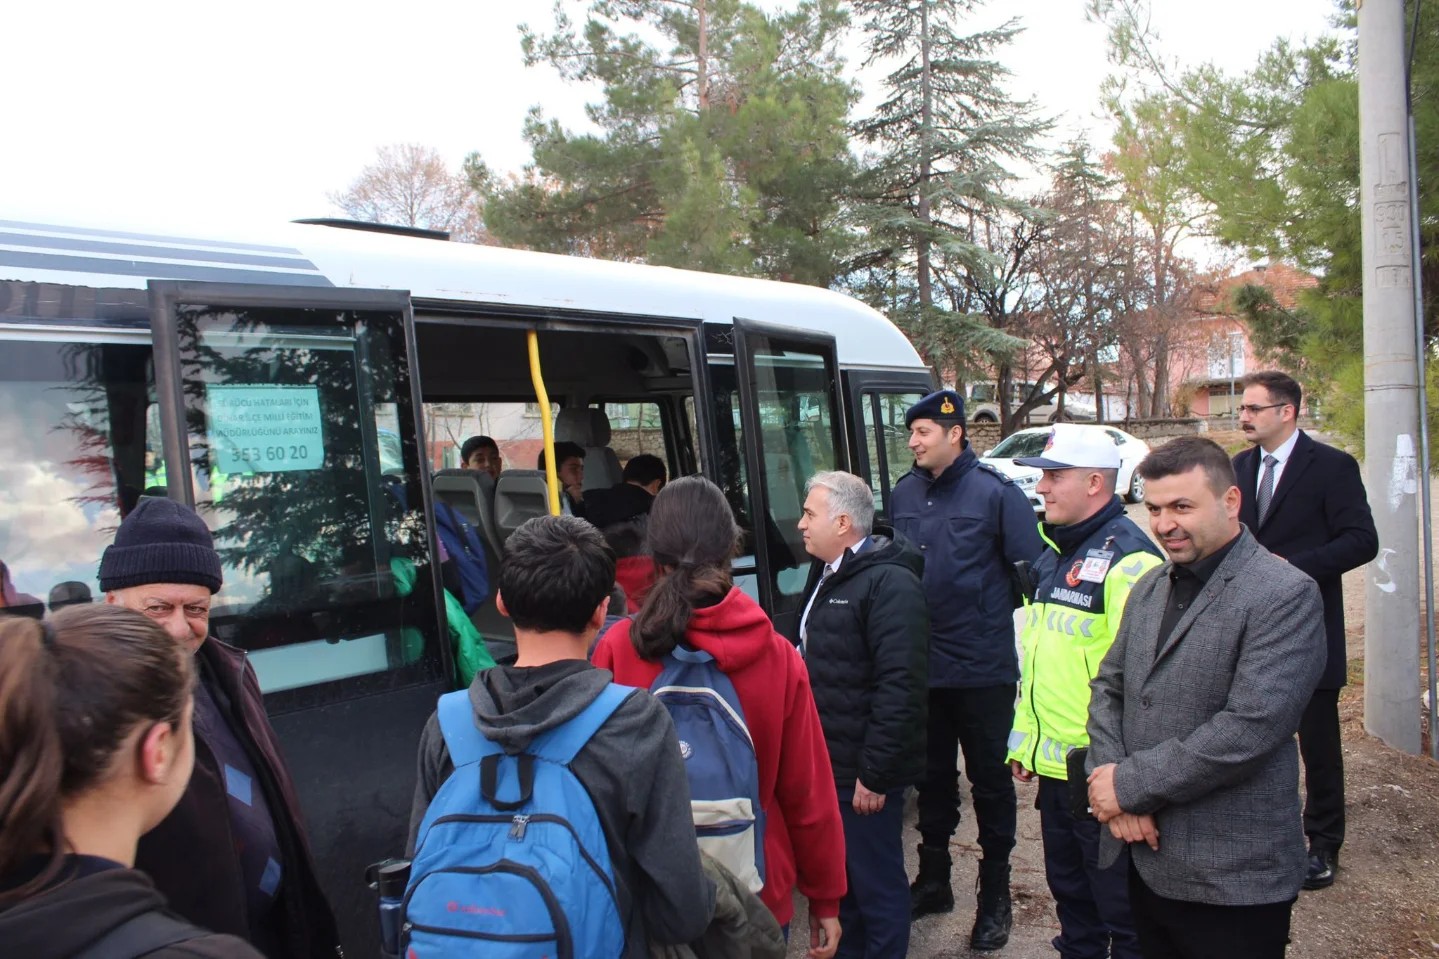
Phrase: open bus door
(792,422)
(290,420)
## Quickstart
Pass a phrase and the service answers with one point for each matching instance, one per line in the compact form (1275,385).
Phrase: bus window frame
(673,430)
(858,383)
(745,331)
(690,331)
(166,296)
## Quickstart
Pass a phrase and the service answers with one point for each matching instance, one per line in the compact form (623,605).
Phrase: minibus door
(793,426)
(291,423)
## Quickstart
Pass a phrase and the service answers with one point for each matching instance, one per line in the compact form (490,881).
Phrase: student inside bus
(482,453)
(570,471)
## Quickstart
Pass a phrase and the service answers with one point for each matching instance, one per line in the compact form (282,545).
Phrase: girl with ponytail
(95,750)
(692,536)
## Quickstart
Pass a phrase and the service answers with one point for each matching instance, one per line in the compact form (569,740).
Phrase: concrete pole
(1391,399)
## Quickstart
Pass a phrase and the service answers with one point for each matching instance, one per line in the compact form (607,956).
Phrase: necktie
(1266,486)
(804,625)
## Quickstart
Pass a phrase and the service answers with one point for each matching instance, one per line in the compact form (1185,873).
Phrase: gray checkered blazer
(1203,728)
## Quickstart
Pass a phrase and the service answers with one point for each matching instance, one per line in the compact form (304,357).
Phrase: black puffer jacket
(868,657)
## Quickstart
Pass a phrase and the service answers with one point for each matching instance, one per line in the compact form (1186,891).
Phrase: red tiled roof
(1282,280)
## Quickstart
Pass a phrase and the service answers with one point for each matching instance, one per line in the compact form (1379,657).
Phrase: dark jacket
(632,770)
(867,650)
(742,927)
(191,854)
(1318,521)
(972,525)
(1201,725)
(74,913)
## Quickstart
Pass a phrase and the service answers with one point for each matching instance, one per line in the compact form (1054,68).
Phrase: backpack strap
(563,743)
(139,936)
(462,737)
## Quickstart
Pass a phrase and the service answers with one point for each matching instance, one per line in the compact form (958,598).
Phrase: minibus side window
(886,442)
(637,427)
(516,428)
(73,428)
(304,469)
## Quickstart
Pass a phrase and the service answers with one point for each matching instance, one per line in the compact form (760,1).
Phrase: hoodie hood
(66,918)
(885,547)
(514,704)
(735,631)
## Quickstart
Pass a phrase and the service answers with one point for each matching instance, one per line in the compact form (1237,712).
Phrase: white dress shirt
(829,570)
(1281,456)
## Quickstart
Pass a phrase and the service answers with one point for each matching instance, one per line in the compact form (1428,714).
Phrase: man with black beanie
(232,856)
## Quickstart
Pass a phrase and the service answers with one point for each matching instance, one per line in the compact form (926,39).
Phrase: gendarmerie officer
(972,525)
(1093,556)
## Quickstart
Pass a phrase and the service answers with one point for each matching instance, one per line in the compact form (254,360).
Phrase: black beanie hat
(161,542)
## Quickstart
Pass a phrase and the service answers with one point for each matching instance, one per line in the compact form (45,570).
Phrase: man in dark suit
(1305,503)
(1192,718)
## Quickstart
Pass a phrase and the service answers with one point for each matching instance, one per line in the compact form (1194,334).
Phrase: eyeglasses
(1253,409)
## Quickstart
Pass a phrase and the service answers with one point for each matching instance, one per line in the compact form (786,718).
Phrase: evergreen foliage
(719,140)
(943,142)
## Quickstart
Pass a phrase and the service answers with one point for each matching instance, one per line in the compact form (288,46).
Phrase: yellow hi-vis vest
(1068,628)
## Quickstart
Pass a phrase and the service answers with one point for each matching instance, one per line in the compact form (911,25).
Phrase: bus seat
(590,427)
(519,495)
(472,492)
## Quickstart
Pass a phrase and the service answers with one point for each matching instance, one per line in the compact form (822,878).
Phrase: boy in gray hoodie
(554,586)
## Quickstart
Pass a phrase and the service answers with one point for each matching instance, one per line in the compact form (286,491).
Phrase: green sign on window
(265,429)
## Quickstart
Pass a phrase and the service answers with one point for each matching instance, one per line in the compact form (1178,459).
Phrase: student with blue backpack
(711,653)
(552,814)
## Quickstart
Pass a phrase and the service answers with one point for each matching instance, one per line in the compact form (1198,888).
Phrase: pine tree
(943,141)
(721,141)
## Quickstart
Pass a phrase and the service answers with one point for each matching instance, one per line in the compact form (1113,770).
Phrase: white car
(1030,442)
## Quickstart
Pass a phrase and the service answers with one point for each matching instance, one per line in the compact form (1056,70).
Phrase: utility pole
(1391,396)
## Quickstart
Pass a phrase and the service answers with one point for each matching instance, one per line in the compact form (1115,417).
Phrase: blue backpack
(720,760)
(511,861)
(464,546)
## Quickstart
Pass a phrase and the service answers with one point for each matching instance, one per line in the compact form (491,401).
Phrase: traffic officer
(1093,555)
(972,525)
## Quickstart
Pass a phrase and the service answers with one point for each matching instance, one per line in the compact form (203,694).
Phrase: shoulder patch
(996,472)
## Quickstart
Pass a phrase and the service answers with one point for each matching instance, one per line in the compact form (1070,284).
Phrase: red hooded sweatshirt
(636,576)
(804,838)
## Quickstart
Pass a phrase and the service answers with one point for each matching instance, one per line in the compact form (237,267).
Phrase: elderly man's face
(180,609)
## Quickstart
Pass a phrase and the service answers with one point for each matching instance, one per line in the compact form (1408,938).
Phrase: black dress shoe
(1322,867)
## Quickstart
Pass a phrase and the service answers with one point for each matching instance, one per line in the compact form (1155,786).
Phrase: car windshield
(1022,444)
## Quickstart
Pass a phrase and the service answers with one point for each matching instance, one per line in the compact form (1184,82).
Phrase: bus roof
(295,254)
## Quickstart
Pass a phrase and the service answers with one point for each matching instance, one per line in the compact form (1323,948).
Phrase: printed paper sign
(265,429)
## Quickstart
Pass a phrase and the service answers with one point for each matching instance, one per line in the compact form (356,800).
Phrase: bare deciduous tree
(410,185)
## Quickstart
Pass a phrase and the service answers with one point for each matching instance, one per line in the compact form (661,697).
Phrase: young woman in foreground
(95,750)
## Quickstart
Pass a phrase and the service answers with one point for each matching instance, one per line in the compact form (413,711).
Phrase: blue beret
(944,406)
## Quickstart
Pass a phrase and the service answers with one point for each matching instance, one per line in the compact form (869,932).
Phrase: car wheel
(1136,487)
(1058,417)
(984,418)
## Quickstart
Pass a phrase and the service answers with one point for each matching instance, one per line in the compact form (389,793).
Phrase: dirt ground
(1384,904)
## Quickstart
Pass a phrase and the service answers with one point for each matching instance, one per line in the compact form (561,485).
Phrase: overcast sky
(185,113)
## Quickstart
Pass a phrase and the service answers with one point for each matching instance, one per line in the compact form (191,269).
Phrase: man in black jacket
(1305,503)
(233,855)
(865,635)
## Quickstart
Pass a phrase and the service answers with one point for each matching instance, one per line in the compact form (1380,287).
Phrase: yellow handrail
(546,423)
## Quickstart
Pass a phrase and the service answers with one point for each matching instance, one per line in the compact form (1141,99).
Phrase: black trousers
(874,913)
(1174,929)
(976,722)
(1323,756)
(1092,903)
